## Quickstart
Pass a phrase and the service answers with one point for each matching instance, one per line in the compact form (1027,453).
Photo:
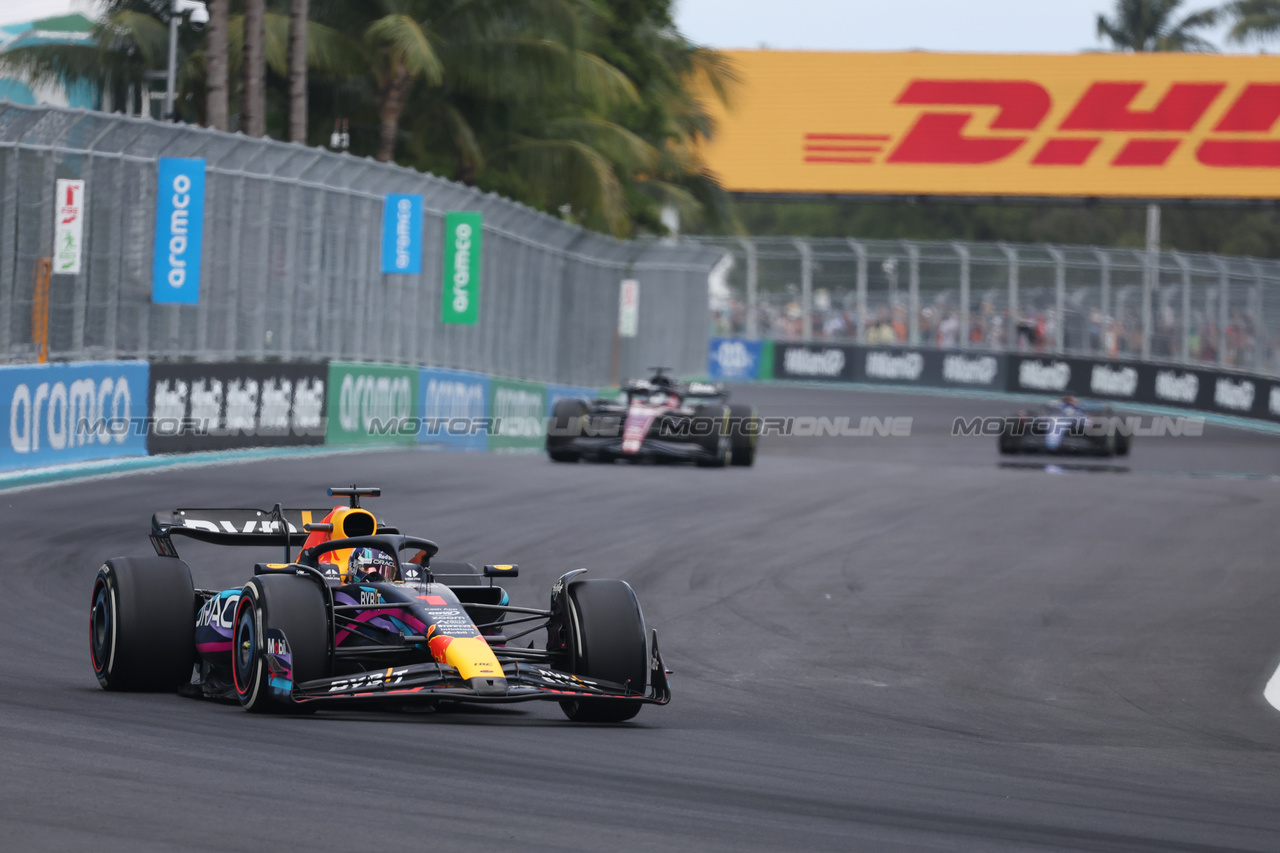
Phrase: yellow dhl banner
(1105,125)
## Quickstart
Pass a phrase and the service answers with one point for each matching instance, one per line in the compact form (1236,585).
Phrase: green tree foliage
(1253,20)
(1152,25)
(584,108)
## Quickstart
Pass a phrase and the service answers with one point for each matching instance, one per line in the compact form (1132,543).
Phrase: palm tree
(299,12)
(1255,20)
(253,107)
(131,40)
(1151,25)
(217,64)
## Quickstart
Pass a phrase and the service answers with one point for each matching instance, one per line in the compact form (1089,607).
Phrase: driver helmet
(368,560)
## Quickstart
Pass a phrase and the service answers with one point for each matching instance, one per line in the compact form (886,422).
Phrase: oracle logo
(1239,139)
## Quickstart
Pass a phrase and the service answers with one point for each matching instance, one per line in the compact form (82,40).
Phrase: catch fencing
(291,269)
(1169,307)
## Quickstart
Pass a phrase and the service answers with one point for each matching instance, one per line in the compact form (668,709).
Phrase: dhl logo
(1238,139)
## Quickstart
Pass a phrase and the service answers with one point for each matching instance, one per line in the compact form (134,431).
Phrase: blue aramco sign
(402,234)
(175,276)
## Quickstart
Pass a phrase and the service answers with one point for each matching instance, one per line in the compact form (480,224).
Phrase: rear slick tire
(142,624)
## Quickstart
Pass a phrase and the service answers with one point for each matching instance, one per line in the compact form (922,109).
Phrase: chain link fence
(291,262)
(1119,303)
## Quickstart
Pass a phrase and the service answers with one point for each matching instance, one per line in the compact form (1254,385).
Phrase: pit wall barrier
(1213,391)
(65,414)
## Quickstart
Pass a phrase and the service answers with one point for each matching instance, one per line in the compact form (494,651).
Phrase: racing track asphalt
(879,644)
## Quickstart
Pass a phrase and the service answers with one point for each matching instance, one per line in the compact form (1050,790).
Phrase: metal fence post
(806,289)
(913,292)
(1259,321)
(1151,280)
(1104,281)
(753,284)
(1224,297)
(1185,266)
(963,252)
(1011,336)
(861,252)
(1059,297)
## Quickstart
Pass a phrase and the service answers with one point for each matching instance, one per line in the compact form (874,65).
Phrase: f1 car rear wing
(238,526)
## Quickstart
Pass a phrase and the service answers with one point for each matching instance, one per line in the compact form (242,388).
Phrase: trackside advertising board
(198,407)
(179,240)
(455,405)
(61,413)
(1137,125)
(462,250)
(517,409)
(402,234)
(734,358)
(372,404)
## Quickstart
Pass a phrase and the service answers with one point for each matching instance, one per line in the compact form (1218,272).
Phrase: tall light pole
(199,17)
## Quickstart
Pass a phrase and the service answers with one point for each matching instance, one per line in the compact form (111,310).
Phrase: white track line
(1272,692)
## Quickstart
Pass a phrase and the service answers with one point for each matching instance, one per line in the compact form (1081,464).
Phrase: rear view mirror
(509,571)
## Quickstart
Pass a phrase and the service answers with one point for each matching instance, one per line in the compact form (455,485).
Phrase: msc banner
(61,413)
(455,404)
(1137,125)
(175,272)
(517,409)
(462,250)
(372,404)
(909,366)
(198,407)
(402,234)
(814,362)
(1202,389)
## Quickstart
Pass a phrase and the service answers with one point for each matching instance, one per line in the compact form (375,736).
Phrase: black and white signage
(814,362)
(223,406)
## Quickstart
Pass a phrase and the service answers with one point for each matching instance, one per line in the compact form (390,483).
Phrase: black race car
(363,616)
(1065,426)
(656,419)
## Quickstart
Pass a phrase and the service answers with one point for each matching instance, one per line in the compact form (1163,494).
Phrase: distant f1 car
(362,616)
(1065,426)
(658,419)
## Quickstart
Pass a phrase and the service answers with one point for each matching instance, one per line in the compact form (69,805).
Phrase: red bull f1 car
(363,615)
(657,420)
(1065,426)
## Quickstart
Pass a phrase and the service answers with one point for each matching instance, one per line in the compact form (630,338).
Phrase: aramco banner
(1156,125)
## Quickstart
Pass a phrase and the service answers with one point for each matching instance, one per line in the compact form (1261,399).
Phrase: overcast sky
(1011,26)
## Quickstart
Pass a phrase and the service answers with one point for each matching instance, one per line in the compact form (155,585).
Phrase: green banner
(764,370)
(372,404)
(517,409)
(462,248)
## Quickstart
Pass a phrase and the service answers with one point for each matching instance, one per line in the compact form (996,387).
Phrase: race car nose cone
(486,686)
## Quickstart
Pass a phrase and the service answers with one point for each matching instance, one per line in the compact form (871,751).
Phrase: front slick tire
(745,426)
(142,624)
(271,607)
(711,424)
(567,419)
(613,644)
